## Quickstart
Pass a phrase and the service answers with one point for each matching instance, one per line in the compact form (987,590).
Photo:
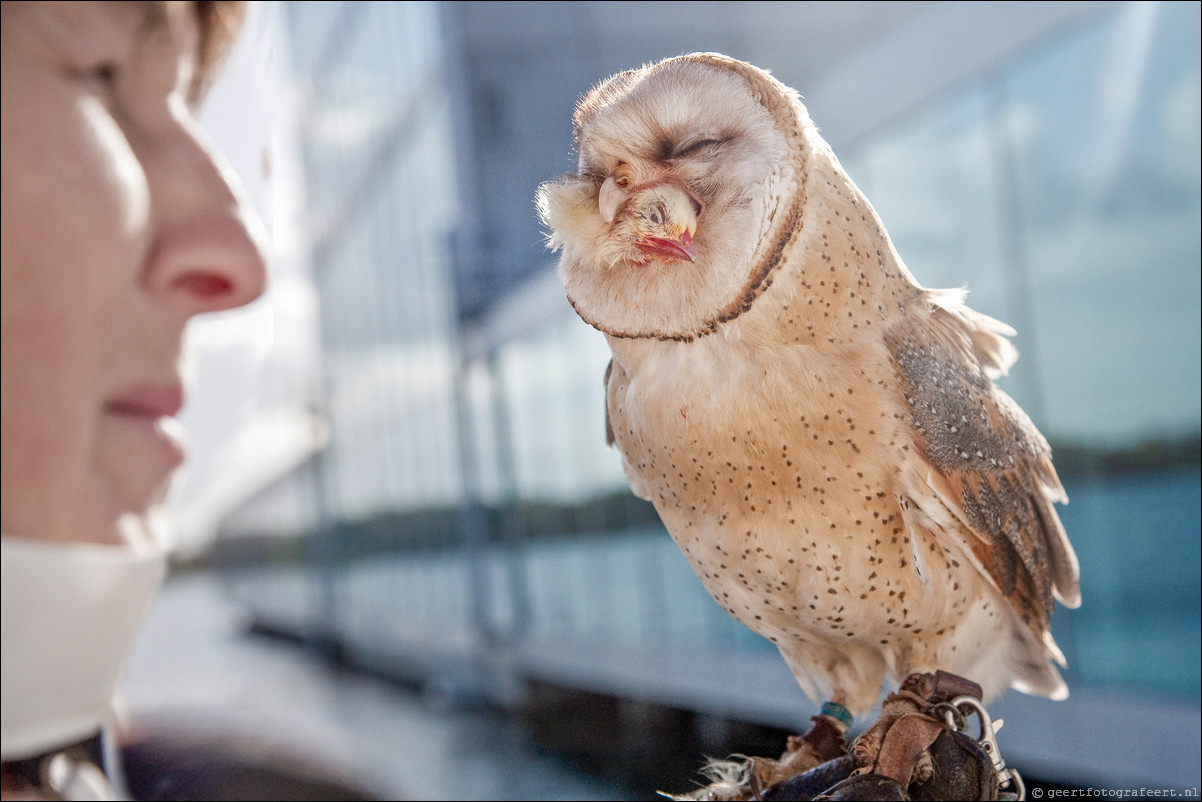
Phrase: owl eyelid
(693,148)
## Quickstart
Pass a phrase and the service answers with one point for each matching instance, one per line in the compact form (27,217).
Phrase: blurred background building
(448,512)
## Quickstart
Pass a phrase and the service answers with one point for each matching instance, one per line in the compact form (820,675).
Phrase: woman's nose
(207,251)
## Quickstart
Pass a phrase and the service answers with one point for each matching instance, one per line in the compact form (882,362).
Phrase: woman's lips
(151,408)
(149,400)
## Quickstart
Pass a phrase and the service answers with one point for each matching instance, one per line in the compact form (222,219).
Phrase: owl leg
(824,741)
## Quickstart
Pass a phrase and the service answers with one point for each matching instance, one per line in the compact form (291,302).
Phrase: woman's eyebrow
(154,14)
(146,15)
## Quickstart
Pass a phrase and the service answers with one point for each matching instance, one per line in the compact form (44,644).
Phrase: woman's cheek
(121,173)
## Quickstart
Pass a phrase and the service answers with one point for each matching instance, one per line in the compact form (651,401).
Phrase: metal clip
(1010,784)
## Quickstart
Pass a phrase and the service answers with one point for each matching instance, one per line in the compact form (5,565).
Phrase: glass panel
(1105,134)
(1064,192)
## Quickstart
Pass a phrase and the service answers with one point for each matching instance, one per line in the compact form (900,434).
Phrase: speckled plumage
(820,434)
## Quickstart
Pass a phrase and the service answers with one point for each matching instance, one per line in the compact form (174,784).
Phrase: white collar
(70,614)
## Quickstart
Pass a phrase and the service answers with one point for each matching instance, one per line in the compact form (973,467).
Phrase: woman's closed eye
(104,75)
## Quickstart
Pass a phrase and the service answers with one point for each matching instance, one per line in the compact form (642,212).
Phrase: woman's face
(118,226)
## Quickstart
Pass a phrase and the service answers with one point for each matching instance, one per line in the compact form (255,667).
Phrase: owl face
(682,168)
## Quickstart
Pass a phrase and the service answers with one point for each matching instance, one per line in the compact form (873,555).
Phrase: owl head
(688,188)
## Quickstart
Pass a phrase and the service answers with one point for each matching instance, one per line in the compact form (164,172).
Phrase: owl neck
(842,278)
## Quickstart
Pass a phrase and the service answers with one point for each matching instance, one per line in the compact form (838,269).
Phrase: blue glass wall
(1064,191)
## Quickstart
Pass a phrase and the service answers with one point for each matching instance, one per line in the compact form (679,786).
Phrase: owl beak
(682,211)
(681,248)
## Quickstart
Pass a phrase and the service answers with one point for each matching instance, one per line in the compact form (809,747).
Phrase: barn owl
(820,434)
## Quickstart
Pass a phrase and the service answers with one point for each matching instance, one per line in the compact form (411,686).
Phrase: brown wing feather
(995,465)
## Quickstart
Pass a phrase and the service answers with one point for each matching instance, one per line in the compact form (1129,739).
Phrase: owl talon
(924,768)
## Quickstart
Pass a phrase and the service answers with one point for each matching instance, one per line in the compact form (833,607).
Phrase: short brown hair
(219,22)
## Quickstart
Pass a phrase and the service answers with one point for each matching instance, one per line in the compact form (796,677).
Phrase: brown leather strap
(913,729)
(904,742)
